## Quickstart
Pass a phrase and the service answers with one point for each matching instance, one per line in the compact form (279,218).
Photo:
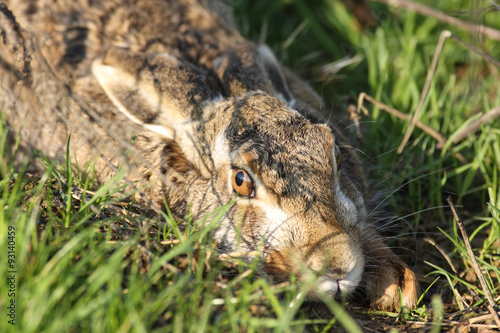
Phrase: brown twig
(427,129)
(354,117)
(443,253)
(447,258)
(489,59)
(430,75)
(486,290)
(451,324)
(475,125)
(481,318)
(428,11)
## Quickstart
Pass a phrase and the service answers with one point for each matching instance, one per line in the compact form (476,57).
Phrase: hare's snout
(336,261)
(334,285)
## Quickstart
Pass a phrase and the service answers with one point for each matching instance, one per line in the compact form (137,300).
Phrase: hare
(209,118)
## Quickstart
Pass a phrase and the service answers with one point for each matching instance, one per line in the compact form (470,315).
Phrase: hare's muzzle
(329,284)
(333,262)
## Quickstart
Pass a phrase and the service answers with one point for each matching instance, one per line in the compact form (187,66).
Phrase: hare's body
(207,115)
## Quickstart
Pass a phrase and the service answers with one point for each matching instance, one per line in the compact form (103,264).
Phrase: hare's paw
(384,285)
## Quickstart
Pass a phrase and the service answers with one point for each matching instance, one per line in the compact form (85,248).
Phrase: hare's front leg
(385,274)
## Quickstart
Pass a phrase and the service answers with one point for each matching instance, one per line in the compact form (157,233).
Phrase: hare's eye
(337,155)
(242,183)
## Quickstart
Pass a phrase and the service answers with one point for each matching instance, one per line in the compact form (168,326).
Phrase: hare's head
(291,199)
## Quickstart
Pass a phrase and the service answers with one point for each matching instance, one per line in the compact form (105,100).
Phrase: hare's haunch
(208,117)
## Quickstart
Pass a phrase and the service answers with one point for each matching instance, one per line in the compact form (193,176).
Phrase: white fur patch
(217,98)
(356,210)
(352,279)
(291,103)
(348,207)
(327,286)
(276,228)
(220,152)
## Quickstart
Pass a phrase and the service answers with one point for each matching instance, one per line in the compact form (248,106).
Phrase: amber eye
(242,183)
(337,155)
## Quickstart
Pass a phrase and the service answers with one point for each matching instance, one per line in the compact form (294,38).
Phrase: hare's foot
(385,277)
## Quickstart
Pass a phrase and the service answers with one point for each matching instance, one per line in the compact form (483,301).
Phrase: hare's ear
(240,72)
(157,91)
(273,71)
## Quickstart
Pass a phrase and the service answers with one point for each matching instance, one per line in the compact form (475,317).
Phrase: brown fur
(201,102)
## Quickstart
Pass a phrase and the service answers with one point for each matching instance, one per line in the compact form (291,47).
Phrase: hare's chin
(339,287)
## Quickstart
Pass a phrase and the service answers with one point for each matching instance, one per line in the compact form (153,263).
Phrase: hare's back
(73,33)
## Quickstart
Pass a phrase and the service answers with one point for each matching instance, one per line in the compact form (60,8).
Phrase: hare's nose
(332,284)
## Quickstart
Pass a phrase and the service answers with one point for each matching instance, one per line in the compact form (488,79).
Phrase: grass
(94,261)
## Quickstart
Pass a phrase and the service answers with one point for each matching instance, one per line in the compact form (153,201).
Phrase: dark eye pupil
(240,178)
